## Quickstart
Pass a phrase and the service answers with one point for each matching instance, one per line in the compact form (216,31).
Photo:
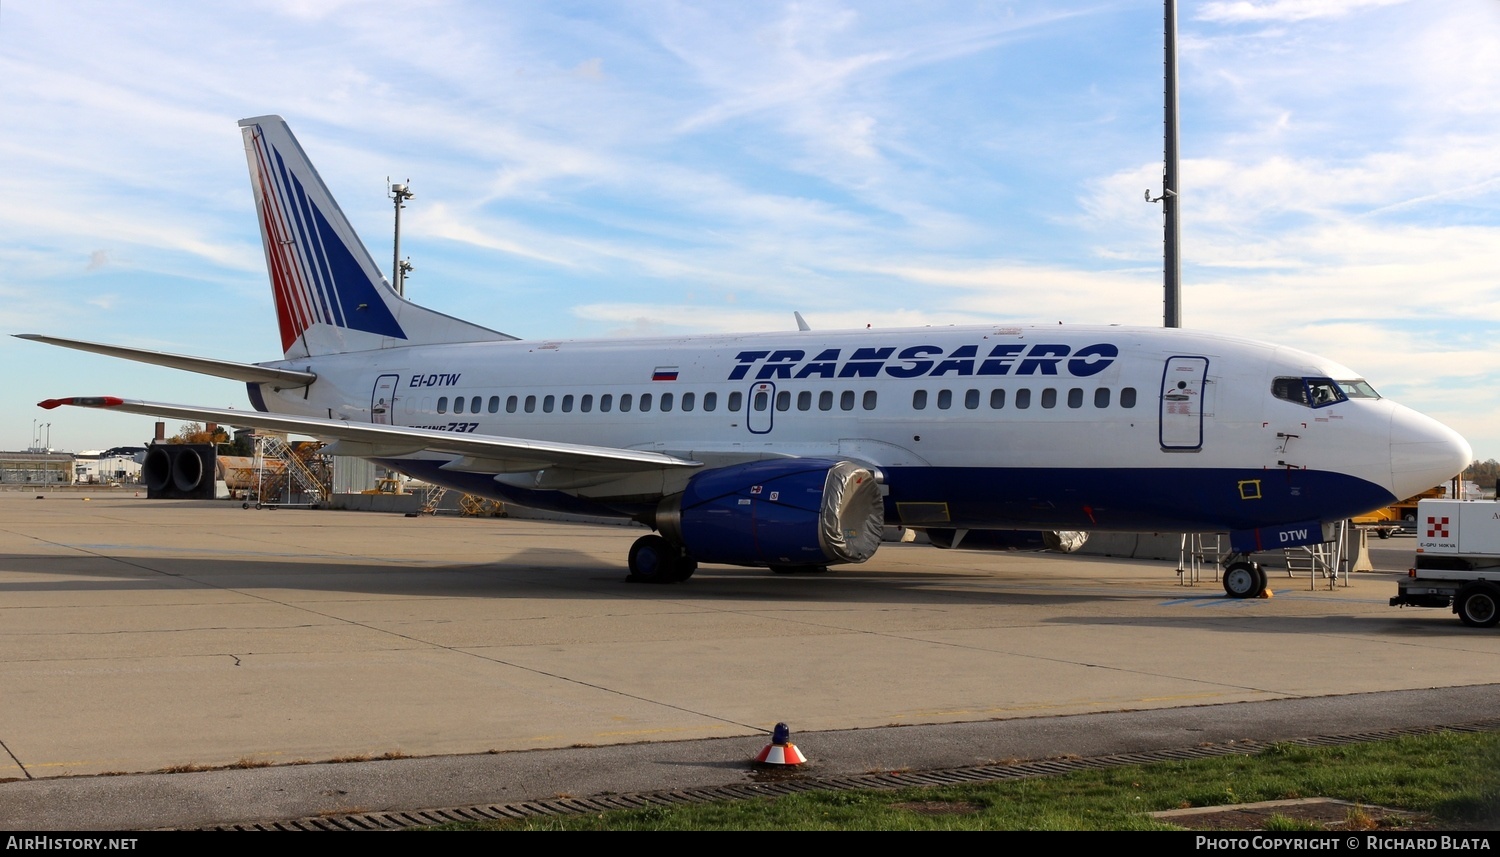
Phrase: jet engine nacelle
(1062,541)
(782,512)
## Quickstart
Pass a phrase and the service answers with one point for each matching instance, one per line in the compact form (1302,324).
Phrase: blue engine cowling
(781,512)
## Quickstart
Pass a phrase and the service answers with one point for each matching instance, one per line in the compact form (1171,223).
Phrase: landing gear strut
(1244,579)
(653,559)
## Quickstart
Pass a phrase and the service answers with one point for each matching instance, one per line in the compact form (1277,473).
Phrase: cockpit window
(1289,389)
(1323,391)
(1310,392)
(1359,388)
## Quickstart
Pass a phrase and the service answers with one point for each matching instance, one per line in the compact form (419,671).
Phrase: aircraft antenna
(400,193)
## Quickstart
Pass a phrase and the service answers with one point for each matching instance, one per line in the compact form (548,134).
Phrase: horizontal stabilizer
(523,455)
(202,365)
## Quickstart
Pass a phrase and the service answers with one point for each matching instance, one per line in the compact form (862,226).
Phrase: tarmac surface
(508,660)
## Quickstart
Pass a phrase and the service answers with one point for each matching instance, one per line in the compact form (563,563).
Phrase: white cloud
(1285,10)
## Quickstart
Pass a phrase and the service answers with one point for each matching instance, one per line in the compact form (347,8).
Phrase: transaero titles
(1011,358)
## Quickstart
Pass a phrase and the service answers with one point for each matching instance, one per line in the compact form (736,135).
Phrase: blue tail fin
(330,297)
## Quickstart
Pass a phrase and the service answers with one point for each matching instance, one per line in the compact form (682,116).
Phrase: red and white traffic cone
(781,750)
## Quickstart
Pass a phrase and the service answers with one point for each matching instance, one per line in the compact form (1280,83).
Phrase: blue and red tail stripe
(315,276)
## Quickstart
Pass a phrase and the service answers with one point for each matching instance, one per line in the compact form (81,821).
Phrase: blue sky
(604,169)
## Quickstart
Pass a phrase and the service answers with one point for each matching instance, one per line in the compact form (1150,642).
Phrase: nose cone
(1424,453)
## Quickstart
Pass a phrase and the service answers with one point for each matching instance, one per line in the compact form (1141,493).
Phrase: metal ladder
(1325,558)
(1193,556)
(297,472)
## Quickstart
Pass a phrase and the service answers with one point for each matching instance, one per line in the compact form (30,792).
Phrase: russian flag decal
(664,373)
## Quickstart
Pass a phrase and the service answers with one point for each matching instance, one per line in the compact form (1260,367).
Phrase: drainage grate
(893,780)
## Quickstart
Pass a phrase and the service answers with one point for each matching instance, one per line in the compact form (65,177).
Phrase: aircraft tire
(1244,580)
(1478,606)
(653,559)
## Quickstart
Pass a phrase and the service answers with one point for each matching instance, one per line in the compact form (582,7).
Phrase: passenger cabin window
(548,403)
(1127,397)
(494,404)
(825,400)
(531,404)
(586,403)
(688,401)
(510,404)
(645,401)
(918,400)
(474,405)
(971,399)
(736,399)
(804,401)
(624,403)
(443,405)
(666,402)
(784,401)
(1023,399)
(869,402)
(997,399)
(710,401)
(458,404)
(567,404)
(1049,398)
(1101,397)
(945,399)
(1075,397)
(606,403)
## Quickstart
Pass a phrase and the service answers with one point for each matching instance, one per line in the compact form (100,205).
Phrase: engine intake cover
(787,511)
(179,471)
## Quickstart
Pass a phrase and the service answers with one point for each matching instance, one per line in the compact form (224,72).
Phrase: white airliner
(793,450)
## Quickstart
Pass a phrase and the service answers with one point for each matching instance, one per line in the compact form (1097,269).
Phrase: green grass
(1453,777)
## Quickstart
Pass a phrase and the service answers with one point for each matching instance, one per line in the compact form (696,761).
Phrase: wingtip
(82,401)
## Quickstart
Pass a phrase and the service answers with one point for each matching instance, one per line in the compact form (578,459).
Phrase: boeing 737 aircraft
(794,450)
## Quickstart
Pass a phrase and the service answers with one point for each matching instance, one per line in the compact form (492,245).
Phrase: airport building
(36,468)
(101,467)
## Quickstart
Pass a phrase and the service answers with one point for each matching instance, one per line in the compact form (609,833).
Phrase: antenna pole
(400,193)
(1172,267)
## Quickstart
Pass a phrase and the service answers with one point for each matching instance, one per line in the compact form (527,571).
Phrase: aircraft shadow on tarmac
(564,574)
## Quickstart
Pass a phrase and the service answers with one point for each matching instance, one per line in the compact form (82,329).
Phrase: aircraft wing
(201,365)
(480,452)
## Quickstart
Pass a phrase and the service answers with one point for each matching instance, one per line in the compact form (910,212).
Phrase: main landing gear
(1243,578)
(653,559)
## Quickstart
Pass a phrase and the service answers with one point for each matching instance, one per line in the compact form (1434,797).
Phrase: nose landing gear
(1244,579)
